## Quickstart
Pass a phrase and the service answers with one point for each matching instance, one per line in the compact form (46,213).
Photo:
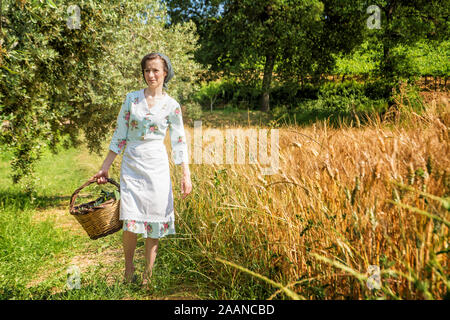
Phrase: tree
(312,47)
(292,37)
(65,70)
(46,77)
(404,23)
(203,13)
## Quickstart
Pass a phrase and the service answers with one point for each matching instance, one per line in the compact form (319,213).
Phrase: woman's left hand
(186,185)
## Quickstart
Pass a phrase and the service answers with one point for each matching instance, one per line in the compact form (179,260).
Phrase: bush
(342,97)
(378,89)
(193,111)
(208,94)
(290,94)
(347,89)
(291,97)
(407,98)
(227,92)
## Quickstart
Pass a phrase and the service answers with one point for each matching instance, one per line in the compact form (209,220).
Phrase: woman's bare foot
(146,279)
(129,275)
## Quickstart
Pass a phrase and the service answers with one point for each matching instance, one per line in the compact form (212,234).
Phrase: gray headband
(170,72)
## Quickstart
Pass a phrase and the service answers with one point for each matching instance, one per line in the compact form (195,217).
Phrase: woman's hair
(152,56)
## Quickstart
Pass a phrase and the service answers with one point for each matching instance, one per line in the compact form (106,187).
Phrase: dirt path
(106,259)
(103,257)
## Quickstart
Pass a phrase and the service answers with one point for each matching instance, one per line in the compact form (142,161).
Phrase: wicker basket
(98,221)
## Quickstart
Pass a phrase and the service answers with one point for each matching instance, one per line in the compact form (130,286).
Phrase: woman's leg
(129,246)
(151,249)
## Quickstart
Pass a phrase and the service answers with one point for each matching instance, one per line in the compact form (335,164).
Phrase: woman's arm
(177,135)
(102,175)
(118,140)
(186,184)
(185,167)
(179,148)
(120,136)
(108,160)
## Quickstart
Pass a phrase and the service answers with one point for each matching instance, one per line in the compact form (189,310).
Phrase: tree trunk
(267,80)
(387,63)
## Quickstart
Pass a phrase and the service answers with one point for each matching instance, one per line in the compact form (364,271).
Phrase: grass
(344,199)
(228,117)
(327,215)
(40,241)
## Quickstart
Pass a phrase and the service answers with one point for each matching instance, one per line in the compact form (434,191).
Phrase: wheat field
(343,201)
(353,212)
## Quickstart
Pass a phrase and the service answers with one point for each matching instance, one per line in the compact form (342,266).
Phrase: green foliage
(419,59)
(46,79)
(332,100)
(28,241)
(316,43)
(404,23)
(289,38)
(209,93)
(408,99)
(377,89)
(363,61)
(429,58)
(343,97)
(292,94)
(349,102)
(59,80)
(193,111)
(227,91)
(337,96)
(137,39)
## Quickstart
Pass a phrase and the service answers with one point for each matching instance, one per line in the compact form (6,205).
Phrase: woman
(146,200)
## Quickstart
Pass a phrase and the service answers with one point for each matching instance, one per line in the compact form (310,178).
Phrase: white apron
(145,185)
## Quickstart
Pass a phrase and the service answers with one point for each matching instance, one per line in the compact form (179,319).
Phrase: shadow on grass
(335,119)
(299,117)
(97,288)
(231,118)
(20,200)
(92,291)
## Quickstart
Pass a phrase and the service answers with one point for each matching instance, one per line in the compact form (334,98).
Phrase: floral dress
(149,229)
(146,198)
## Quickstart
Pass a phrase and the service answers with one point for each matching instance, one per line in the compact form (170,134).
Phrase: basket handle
(92,180)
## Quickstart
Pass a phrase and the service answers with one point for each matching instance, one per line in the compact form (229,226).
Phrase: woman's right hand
(101,176)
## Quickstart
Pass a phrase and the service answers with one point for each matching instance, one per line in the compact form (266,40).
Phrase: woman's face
(154,73)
